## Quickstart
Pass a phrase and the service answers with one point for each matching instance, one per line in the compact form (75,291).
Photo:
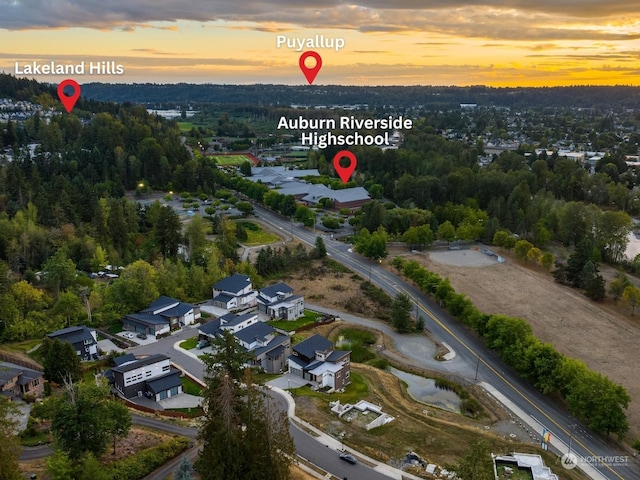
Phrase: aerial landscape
(319,240)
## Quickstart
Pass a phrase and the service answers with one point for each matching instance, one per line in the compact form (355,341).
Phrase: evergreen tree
(321,250)
(61,361)
(9,447)
(401,313)
(184,471)
(242,438)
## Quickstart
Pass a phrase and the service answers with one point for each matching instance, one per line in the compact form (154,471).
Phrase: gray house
(83,339)
(152,376)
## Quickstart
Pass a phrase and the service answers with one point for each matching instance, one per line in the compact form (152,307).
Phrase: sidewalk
(322,437)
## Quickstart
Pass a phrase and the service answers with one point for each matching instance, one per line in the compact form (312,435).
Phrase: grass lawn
(236,160)
(256,235)
(292,325)
(190,387)
(185,126)
(115,328)
(21,347)
(189,343)
(189,412)
(40,438)
(355,391)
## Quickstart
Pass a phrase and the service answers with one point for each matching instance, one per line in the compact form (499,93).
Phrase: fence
(33,365)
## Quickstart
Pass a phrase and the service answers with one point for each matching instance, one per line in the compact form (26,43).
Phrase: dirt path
(605,340)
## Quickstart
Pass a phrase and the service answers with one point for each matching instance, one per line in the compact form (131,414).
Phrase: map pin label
(310,72)
(68,101)
(344,172)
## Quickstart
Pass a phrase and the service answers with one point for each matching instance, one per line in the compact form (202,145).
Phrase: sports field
(231,159)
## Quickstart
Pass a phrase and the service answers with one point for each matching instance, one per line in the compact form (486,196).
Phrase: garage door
(174,391)
(163,395)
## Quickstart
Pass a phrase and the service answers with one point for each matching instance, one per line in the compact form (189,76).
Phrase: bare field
(603,338)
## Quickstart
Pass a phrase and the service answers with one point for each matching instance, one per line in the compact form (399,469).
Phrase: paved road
(478,364)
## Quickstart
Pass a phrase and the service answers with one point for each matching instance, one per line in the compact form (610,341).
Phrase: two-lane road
(477,358)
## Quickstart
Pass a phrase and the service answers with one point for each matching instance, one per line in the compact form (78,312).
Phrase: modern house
(151,376)
(234,292)
(18,381)
(83,339)
(269,349)
(164,315)
(315,360)
(278,301)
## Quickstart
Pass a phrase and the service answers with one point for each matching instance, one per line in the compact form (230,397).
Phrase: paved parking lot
(132,336)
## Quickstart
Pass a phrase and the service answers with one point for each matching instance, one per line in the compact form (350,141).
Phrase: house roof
(313,344)
(337,355)
(224,298)
(273,290)
(274,348)
(122,359)
(325,367)
(234,283)
(147,318)
(11,370)
(257,331)
(286,303)
(351,195)
(231,319)
(210,328)
(161,302)
(72,334)
(177,311)
(150,360)
(166,382)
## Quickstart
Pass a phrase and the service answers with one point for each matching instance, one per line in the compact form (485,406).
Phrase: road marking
(499,375)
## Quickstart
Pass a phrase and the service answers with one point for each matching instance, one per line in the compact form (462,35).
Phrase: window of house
(166,368)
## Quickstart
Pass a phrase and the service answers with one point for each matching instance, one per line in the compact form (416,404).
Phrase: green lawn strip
(191,412)
(230,159)
(355,391)
(190,387)
(189,343)
(185,126)
(40,437)
(21,347)
(257,236)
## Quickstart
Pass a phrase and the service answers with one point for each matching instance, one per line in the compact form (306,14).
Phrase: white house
(152,376)
(165,314)
(234,292)
(278,301)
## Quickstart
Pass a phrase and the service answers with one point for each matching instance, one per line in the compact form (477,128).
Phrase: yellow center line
(442,325)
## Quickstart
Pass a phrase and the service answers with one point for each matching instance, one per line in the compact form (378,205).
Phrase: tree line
(590,396)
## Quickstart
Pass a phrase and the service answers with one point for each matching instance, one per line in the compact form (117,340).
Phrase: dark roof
(272,290)
(147,319)
(166,382)
(129,357)
(257,331)
(10,370)
(337,355)
(72,334)
(177,311)
(210,328)
(234,283)
(158,303)
(276,343)
(276,352)
(223,298)
(158,357)
(231,319)
(313,344)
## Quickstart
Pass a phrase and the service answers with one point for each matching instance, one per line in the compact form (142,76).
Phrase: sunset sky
(387,42)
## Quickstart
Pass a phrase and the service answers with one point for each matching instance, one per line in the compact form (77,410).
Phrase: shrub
(146,461)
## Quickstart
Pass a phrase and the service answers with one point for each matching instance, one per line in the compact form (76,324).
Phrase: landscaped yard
(189,343)
(190,387)
(356,390)
(292,325)
(256,235)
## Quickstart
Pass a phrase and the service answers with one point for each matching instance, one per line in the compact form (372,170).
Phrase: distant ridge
(603,98)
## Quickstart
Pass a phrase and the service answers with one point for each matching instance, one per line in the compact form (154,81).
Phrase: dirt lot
(603,338)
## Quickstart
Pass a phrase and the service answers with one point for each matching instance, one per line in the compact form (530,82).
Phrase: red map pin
(68,102)
(310,73)
(344,172)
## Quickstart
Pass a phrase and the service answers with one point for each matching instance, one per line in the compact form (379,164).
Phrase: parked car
(142,336)
(202,344)
(347,457)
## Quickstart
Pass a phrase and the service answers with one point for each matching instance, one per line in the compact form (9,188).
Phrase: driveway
(287,381)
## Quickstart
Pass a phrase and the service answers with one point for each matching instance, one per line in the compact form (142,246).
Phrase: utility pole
(571,437)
